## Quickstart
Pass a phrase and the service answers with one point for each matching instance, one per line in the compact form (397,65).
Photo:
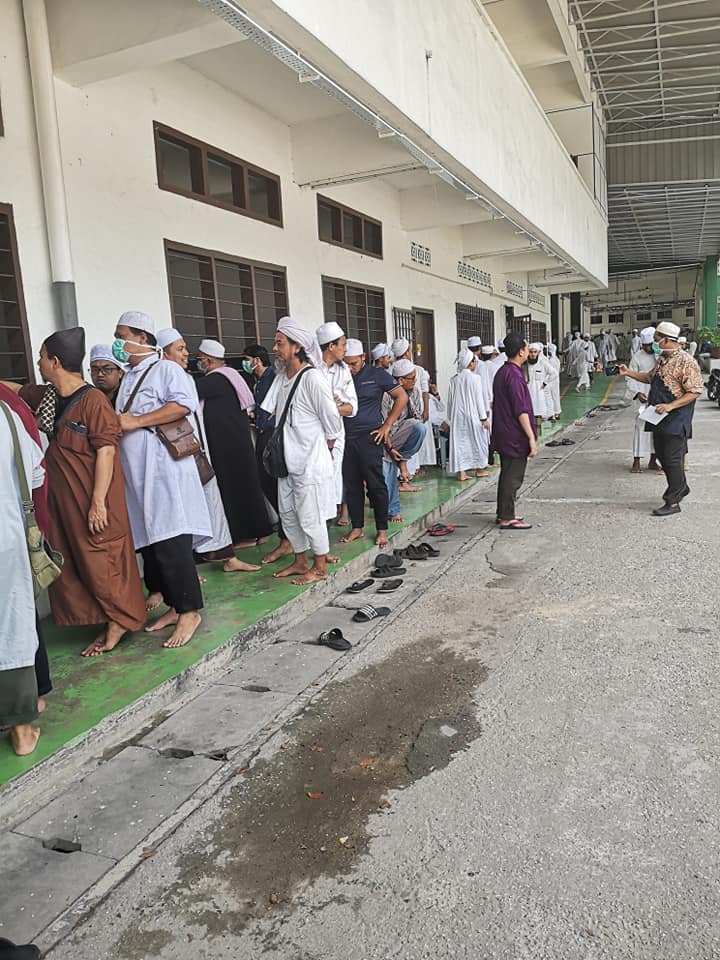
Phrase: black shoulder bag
(274,453)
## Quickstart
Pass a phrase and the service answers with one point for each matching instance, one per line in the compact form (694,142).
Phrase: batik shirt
(676,373)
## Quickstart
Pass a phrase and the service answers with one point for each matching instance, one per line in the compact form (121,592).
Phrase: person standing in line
(468,418)
(18,636)
(105,372)
(539,374)
(226,399)
(366,435)
(381,356)
(513,431)
(332,340)
(165,498)
(89,522)
(482,370)
(217,548)
(306,496)
(675,385)
(402,350)
(643,361)
(553,398)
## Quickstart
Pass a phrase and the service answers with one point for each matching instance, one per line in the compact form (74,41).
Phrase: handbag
(273,457)
(202,461)
(178,436)
(45,563)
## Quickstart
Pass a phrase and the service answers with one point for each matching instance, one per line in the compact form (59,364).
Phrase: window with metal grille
(596,319)
(474,322)
(690,311)
(404,324)
(360,311)
(14,340)
(643,317)
(616,318)
(664,314)
(348,228)
(195,169)
(215,295)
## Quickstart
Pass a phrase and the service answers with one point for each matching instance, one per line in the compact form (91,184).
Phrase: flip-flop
(498,521)
(384,572)
(410,553)
(440,530)
(554,443)
(516,525)
(429,549)
(567,443)
(387,560)
(359,585)
(335,640)
(389,586)
(368,612)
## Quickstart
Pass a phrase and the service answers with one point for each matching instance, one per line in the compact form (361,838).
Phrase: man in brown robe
(89,523)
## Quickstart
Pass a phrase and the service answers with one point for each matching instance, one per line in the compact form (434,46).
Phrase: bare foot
(462,476)
(283,550)
(297,566)
(482,473)
(310,576)
(168,619)
(106,641)
(99,641)
(246,544)
(42,706)
(331,558)
(202,580)
(397,519)
(153,601)
(409,488)
(381,540)
(24,739)
(187,624)
(233,564)
(355,534)
(635,469)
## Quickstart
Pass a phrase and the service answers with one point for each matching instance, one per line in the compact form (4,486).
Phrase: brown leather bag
(179,438)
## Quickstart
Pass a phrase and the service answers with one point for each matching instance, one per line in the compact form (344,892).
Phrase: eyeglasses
(103,371)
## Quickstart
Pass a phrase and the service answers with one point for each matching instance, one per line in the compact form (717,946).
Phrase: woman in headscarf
(217,547)
(468,419)
(89,524)
(306,497)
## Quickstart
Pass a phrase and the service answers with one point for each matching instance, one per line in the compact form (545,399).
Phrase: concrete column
(710,293)
(555,318)
(51,170)
(576,313)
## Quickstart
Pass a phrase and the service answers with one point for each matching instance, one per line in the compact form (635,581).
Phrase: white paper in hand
(649,414)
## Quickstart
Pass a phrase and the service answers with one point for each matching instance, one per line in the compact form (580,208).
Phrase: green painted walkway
(87,691)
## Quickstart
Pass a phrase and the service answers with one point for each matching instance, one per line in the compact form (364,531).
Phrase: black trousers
(670,451)
(42,667)
(269,484)
(512,474)
(362,464)
(169,569)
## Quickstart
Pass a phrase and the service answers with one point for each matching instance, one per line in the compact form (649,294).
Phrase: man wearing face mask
(675,385)
(165,498)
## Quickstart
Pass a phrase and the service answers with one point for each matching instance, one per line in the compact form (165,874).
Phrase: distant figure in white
(643,362)
(468,419)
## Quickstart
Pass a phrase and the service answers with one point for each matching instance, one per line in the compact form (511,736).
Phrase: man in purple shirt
(513,430)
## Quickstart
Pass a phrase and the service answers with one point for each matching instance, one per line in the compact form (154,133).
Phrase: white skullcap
(488,351)
(138,320)
(295,331)
(669,330)
(102,351)
(354,348)
(682,339)
(474,342)
(329,332)
(501,344)
(212,348)
(647,335)
(535,346)
(552,349)
(464,358)
(380,350)
(577,334)
(403,368)
(400,346)
(167,335)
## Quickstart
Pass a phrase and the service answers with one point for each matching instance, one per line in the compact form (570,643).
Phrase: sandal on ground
(382,572)
(567,442)
(498,521)
(389,586)
(516,525)
(428,549)
(359,585)
(335,640)
(387,560)
(410,553)
(554,443)
(368,612)
(440,529)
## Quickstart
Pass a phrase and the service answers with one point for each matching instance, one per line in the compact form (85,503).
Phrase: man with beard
(538,374)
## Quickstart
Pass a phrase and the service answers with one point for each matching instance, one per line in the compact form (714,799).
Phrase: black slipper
(368,612)
(13,951)
(387,560)
(388,572)
(567,443)
(554,443)
(389,586)
(358,586)
(335,640)
(410,553)
(429,549)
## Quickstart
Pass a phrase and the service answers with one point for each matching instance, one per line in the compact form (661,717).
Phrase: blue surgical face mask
(657,349)
(247,366)
(119,351)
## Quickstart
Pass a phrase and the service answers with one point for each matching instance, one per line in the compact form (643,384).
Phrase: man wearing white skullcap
(165,498)
(635,343)
(427,455)
(553,398)
(468,419)
(381,356)
(306,496)
(366,436)
(642,361)
(538,374)
(333,341)
(226,400)
(105,371)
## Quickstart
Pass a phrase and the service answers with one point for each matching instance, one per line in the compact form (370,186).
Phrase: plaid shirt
(675,375)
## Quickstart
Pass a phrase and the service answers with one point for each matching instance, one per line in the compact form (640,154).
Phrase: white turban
(464,358)
(552,349)
(167,336)
(354,348)
(212,348)
(536,346)
(329,332)
(400,346)
(501,344)
(296,332)
(474,342)
(380,350)
(647,335)
(488,351)
(682,339)
(577,335)
(403,368)
(102,351)
(137,320)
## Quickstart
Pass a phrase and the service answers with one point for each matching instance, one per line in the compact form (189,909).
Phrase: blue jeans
(411,446)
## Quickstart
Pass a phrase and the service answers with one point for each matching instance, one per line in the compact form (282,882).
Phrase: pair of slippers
(420,551)
(388,586)
(335,640)
(387,565)
(566,442)
(440,529)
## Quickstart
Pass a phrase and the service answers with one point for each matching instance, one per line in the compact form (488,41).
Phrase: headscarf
(399,347)
(294,330)
(464,358)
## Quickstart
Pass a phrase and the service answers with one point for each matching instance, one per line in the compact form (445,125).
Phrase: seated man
(406,438)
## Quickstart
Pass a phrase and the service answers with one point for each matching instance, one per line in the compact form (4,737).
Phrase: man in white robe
(553,398)
(306,496)
(538,374)
(643,362)
(165,498)
(635,343)
(332,340)
(468,419)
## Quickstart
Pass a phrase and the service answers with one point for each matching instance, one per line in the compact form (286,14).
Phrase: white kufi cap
(647,335)
(380,350)
(138,320)
(667,329)
(474,342)
(354,348)
(488,351)
(102,351)
(212,348)
(400,346)
(329,332)
(167,335)
(403,368)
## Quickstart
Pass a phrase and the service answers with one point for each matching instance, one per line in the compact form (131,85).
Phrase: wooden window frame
(213,255)
(7,210)
(185,139)
(364,218)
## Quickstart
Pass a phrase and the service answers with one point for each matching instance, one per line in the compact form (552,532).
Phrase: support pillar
(575,311)
(710,293)
(555,318)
